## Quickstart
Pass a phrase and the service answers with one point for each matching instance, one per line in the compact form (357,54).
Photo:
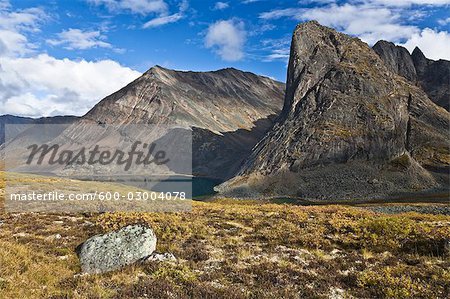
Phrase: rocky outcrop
(397,59)
(116,249)
(432,76)
(350,128)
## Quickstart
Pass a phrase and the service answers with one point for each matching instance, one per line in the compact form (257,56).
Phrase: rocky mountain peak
(418,56)
(350,127)
(220,101)
(397,59)
(432,76)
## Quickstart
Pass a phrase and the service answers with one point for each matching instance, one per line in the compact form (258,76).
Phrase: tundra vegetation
(235,249)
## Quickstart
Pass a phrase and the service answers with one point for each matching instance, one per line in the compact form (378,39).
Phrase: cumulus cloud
(435,45)
(370,23)
(372,20)
(78,39)
(221,5)
(33,84)
(58,86)
(227,38)
(14,26)
(142,7)
(410,2)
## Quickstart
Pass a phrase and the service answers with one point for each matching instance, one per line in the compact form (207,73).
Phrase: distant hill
(18,120)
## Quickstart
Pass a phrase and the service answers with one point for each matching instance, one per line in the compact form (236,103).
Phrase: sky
(62,57)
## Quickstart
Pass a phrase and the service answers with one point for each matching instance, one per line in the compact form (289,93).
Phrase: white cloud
(278,54)
(34,84)
(143,7)
(227,38)
(373,20)
(393,3)
(279,49)
(370,23)
(58,86)
(435,45)
(444,22)
(280,13)
(250,1)
(78,39)
(221,5)
(159,21)
(167,19)
(14,26)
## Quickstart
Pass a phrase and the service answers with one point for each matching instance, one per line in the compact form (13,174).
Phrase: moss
(402,162)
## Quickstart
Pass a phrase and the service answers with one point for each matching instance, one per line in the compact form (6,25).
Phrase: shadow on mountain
(216,157)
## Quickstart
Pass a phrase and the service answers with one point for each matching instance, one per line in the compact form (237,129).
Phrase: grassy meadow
(229,248)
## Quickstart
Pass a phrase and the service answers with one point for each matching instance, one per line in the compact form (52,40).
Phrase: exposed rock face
(397,59)
(116,249)
(350,127)
(220,101)
(432,76)
(229,111)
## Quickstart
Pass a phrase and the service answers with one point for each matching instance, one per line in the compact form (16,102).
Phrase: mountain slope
(220,101)
(432,76)
(18,121)
(350,127)
(226,111)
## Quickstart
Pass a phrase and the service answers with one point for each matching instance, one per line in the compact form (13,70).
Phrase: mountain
(397,59)
(21,123)
(220,101)
(432,76)
(228,111)
(350,128)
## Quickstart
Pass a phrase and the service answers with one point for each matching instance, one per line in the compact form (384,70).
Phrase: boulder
(113,250)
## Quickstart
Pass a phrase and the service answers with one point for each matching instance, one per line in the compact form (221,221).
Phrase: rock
(21,235)
(161,257)
(432,76)
(116,249)
(229,111)
(53,237)
(447,247)
(434,79)
(347,118)
(397,59)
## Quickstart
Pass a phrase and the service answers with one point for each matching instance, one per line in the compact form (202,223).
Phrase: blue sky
(62,57)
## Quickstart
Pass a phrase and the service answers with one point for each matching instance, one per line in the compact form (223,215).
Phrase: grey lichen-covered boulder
(116,249)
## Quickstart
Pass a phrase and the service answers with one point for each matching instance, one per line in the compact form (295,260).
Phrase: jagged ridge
(350,127)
